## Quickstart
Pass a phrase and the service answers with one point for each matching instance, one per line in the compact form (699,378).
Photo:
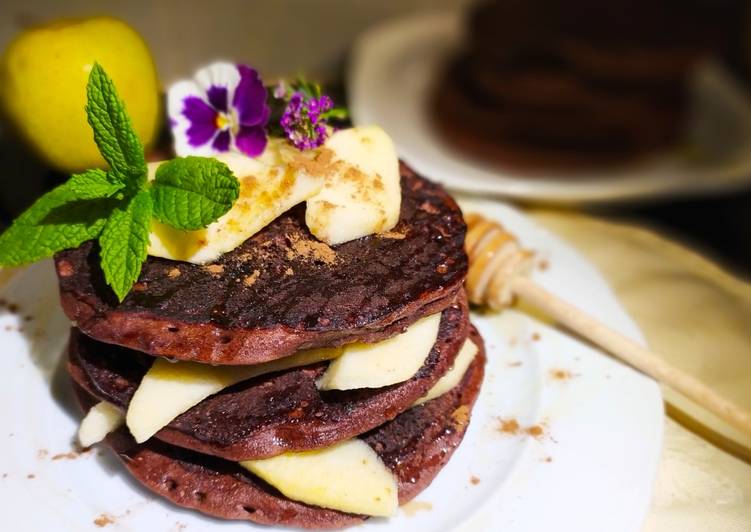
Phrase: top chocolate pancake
(415,445)
(282,289)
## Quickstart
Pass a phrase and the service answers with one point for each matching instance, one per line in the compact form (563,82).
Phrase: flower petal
(219,74)
(249,99)
(218,97)
(221,141)
(202,118)
(180,123)
(251,140)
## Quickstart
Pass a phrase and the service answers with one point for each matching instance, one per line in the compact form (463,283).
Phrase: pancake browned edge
(415,446)
(281,290)
(269,414)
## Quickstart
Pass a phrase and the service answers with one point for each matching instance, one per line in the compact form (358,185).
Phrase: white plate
(393,68)
(591,470)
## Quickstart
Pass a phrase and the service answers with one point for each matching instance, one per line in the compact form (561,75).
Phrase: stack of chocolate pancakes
(279,293)
(547,83)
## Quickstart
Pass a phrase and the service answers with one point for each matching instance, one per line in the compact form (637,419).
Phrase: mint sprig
(117,206)
(58,220)
(113,133)
(191,192)
(93,184)
(124,242)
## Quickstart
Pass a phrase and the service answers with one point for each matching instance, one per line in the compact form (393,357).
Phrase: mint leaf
(56,221)
(191,192)
(113,133)
(124,242)
(94,184)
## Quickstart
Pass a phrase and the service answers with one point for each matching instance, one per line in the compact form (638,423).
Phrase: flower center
(222,121)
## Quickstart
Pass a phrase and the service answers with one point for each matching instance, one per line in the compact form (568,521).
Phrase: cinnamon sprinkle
(509,426)
(536,431)
(104,520)
(392,235)
(512,427)
(72,455)
(310,249)
(460,416)
(558,374)
(251,279)
(215,269)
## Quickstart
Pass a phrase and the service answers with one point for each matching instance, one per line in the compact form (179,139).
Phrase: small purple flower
(222,109)
(304,120)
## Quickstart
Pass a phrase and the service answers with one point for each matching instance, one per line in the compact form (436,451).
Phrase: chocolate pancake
(272,413)
(415,446)
(549,88)
(528,137)
(281,290)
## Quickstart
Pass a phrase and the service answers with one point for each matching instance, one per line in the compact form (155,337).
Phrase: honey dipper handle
(632,353)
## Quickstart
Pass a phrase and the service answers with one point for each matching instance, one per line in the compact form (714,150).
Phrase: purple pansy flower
(222,109)
(304,119)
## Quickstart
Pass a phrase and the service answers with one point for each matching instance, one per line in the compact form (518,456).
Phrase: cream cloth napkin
(699,318)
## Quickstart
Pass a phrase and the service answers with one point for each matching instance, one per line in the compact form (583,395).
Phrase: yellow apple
(43,75)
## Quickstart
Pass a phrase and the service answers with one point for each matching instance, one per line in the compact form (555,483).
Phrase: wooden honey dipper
(499,271)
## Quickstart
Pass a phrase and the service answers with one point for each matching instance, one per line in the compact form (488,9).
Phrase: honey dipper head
(495,259)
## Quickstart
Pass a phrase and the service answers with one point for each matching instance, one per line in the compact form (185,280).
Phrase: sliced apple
(384,363)
(351,184)
(349,477)
(100,420)
(362,190)
(268,188)
(454,375)
(170,388)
